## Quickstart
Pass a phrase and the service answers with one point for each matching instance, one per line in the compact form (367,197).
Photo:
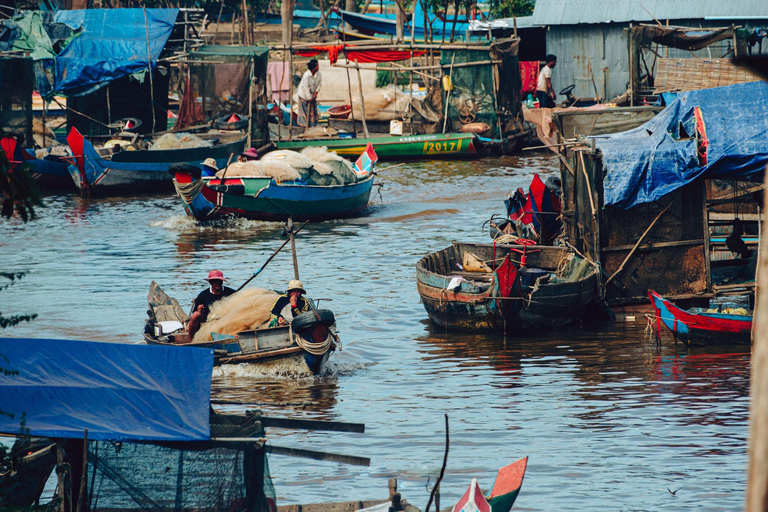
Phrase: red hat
(251,153)
(216,275)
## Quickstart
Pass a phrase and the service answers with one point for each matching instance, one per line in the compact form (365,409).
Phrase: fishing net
(244,311)
(182,476)
(292,158)
(279,171)
(381,104)
(179,141)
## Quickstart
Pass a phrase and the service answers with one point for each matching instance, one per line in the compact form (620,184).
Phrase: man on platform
(308,90)
(202,304)
(545,92)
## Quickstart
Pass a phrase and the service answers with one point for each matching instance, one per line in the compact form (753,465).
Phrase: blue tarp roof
(116,391)
(648,162)
(113,43)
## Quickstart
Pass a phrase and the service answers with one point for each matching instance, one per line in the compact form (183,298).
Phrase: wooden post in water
(757,483)
(293,249)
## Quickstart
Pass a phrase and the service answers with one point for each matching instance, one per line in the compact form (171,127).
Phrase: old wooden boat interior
(514,289)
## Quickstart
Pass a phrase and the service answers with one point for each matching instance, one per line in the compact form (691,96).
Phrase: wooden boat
(507,486)
(524,289)
(697,327)
(303,347)
(430,146)
(509,480)
(110,172)
(263,198)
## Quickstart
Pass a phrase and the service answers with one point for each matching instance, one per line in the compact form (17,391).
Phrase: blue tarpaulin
(113,43)
(646,163)
(59,388)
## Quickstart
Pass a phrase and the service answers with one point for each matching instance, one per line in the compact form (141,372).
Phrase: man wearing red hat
(202,304)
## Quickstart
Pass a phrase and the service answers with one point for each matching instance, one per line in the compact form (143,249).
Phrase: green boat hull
(430,146)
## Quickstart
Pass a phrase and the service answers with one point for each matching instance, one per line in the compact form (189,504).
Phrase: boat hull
(265,199)
(431,146)
(129,172)
(693,328)
(477,305)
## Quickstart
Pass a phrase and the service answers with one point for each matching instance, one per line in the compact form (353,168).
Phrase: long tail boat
(263,198)
(302,347)
(522,289)
(698,327)
(431,146)
(110,172)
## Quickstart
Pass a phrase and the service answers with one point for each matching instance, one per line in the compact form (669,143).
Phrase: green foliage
(511,8)
(10,321)
(19,192)
(384,78)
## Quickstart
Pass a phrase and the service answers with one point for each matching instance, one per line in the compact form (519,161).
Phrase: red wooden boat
(505,489)
(696,327)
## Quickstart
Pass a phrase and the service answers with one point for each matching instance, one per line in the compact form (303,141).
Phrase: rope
(189,191)
(316,349)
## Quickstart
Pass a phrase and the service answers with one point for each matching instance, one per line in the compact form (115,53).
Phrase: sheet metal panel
(573,12)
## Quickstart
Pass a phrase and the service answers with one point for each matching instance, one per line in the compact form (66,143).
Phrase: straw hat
(216,275)
(295,284)
(210,162)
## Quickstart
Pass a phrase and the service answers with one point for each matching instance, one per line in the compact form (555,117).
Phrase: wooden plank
(331,426)
(257,356)
(317,455)
(651,245)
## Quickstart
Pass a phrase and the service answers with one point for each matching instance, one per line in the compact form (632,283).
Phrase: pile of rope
(316,349)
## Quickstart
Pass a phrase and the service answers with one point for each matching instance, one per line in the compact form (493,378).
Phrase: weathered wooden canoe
(695,327)
(263,198)
(303,347)
(529,288)
(123,172)
(432,146)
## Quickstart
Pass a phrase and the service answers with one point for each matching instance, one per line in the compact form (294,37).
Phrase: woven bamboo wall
(692,74)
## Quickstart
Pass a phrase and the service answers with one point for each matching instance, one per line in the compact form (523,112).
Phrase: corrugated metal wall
(605,47)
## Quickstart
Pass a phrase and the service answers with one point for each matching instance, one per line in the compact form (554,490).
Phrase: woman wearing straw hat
(289,305)
(202,304)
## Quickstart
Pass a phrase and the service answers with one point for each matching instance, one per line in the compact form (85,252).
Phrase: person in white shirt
(308,89)
(545,92)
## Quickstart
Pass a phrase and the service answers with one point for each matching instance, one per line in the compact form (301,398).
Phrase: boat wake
(284,370)
(186,223)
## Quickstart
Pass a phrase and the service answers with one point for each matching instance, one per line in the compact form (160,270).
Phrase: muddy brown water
(609,421)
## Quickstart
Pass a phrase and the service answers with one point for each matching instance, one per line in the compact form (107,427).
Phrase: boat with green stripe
(428,146)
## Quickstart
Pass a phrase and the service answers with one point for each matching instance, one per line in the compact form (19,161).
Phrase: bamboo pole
(362,100)
(250,105)
(378,45)
(448,96)
(351,109)
(757,481)
(437,66)
(149,67)
(290,96)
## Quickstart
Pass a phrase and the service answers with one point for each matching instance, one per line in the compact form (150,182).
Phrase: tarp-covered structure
(153,442)
(59,388)
(711,133)
(484,83)
(79,51)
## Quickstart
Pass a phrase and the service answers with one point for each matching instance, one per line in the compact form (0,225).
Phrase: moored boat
(435,145)
(302,347)
(506,488)
(505,288)
(303,197)
(119,171)
(702,327)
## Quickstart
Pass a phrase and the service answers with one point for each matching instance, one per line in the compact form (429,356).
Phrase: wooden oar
(270,258)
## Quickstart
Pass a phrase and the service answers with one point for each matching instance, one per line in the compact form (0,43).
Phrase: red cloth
(190,113)
(529,73)
(332,49)
(369,56)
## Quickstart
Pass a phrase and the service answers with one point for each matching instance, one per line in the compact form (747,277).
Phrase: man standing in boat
(202,304)
(289,305)
(545,92)
(308,90)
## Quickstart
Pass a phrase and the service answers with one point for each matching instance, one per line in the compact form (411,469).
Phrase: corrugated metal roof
(574,12)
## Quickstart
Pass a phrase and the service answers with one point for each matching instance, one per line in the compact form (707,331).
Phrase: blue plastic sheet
(116,391)
(646,163)
(113,43)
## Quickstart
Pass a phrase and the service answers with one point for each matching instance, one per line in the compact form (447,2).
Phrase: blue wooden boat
(303,347)
(525,288)
(264,198)
(370,24)
(111,172)
(698,327)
